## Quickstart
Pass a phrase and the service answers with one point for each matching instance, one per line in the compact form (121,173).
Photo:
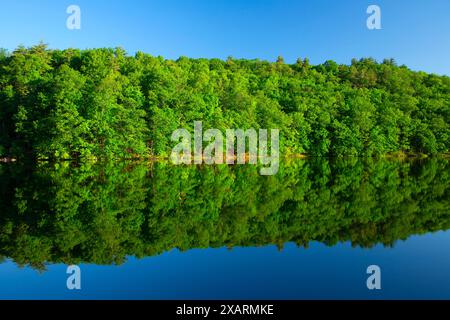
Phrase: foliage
(102,103)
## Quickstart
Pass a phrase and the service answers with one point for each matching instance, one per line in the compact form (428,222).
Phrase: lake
(159,231)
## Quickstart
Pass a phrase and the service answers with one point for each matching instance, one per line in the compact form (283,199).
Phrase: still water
(158,231)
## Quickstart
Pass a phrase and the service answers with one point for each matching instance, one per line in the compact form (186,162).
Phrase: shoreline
(400,155)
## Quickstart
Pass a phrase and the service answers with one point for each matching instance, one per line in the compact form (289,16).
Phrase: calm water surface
(157,231)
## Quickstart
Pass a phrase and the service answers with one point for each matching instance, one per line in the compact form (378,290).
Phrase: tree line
(103,103)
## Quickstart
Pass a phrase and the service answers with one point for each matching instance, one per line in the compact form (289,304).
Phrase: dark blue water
(414,269)
(222,232)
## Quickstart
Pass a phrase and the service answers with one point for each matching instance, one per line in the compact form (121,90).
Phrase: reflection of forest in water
(103,213)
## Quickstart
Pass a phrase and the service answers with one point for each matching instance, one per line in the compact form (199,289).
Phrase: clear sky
(414,32)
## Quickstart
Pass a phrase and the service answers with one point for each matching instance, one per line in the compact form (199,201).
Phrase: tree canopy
(103,103)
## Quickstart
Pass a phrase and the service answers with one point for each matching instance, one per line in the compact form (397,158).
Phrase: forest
(103,213)
(106,104)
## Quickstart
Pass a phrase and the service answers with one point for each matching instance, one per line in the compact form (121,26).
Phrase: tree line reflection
(102,213)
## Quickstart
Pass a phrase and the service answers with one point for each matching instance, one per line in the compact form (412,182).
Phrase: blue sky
(414,32)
